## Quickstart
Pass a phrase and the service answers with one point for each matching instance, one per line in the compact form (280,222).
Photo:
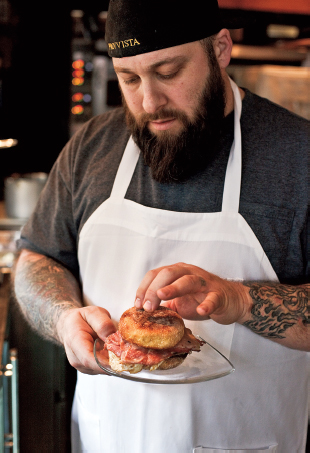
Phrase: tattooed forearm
(44,289)
(278,308)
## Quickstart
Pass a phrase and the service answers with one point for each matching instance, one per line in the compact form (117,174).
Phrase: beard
(177,157)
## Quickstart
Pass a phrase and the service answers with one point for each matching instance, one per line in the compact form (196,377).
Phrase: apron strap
(232,185)
(125,170)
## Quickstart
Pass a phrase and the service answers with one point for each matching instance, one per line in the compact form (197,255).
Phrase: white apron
(261,406)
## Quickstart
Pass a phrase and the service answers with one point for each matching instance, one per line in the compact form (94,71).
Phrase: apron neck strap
(125,170)
(232,185)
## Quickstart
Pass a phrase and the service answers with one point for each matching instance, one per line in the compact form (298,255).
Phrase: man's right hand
(77,330)
(50,298)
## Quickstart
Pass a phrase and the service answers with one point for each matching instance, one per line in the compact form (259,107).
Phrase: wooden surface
(279,6)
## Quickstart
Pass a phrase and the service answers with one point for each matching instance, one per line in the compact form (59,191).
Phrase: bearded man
(194,195)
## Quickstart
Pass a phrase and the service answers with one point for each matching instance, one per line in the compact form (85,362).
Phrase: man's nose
(153,98)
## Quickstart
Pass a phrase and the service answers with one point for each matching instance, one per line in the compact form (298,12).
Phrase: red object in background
(279,6)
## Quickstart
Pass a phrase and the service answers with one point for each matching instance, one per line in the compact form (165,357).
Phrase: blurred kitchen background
(55,74)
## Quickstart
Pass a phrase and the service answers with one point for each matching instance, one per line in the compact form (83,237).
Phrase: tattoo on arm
(278,307)
(44,289)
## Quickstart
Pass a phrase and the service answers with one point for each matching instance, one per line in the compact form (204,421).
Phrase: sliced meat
(187,343)
(131,353)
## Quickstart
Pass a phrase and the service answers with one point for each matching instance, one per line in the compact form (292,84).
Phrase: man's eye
(167,76)
(130,81)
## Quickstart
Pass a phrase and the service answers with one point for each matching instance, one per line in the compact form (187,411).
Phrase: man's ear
(223,47)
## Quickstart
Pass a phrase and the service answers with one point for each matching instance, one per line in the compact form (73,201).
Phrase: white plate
(201,366)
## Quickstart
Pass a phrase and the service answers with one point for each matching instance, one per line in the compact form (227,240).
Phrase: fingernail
(201,311)
(138,303)
(147,305)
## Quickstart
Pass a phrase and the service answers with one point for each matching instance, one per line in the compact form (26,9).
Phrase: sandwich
(150,341)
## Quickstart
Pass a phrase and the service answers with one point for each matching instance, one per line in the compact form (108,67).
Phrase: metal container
(21,193)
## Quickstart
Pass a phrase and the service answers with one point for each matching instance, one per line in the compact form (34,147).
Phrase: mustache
(162,114)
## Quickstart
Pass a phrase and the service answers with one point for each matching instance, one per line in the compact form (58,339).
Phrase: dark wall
(36,85)
(39,84)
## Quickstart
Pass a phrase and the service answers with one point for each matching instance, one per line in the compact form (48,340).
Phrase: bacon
(132,353)
(187,343)
(136,354)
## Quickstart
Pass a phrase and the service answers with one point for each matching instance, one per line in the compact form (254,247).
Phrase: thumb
(210,304)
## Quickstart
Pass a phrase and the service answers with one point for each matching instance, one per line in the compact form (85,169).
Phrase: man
(170,215)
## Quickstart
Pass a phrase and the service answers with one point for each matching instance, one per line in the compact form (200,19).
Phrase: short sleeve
(51,229)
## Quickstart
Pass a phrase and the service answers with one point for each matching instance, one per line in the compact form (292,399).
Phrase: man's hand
(270,309)
(77,329)
(194,293)
(50,299)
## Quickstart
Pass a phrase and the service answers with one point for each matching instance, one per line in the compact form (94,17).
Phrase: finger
(210,305)
(87,363)
(144,285)
(170,304)
(164,277)
(186,307)
(80,355)
(188,284)
(99,320)
(88,324)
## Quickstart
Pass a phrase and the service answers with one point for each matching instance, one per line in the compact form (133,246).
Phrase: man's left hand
(194,293)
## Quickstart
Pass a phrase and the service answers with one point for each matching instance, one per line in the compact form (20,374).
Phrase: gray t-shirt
(274,190)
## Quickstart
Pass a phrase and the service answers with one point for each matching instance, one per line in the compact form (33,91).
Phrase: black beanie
(138,26)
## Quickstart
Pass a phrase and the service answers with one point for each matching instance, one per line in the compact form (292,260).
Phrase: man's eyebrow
(172,60)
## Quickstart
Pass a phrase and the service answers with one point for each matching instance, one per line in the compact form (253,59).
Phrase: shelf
(265,53)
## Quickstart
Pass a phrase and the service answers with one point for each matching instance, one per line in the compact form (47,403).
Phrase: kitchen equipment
(21,193)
